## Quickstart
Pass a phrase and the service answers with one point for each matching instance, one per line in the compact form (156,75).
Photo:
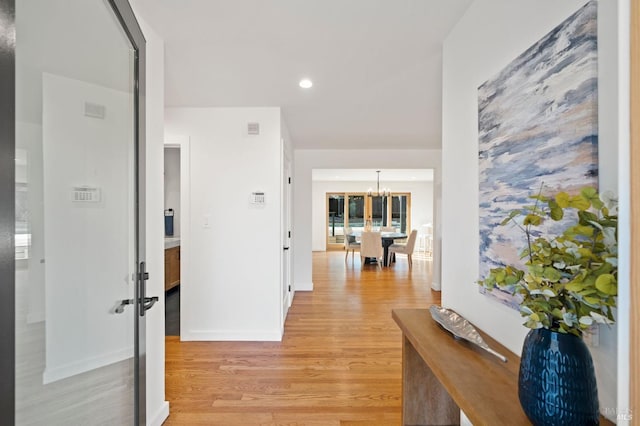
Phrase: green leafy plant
(569,281)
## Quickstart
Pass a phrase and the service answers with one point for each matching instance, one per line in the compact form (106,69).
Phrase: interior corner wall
(233,292)
(305,160)
(420,212)
(489,36)
(157,406)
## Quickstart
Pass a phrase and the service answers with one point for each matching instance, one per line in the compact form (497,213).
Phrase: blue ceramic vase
(557,382)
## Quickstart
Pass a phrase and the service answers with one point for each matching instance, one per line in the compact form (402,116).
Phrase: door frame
(286,221)
(7,210)
(182,142)
(634,282)
(123,12)
(126,17)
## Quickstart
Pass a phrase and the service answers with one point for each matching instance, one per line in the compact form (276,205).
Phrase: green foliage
(570,280)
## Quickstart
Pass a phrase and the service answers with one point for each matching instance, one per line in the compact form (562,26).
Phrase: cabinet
(171,267)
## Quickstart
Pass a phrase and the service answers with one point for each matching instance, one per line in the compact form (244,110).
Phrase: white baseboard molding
(160,415)
(232,336)
(436,286)
(304,286)
(83,365)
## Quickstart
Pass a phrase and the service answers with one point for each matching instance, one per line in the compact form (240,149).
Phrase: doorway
(177,212)
(72,240)
(172,227)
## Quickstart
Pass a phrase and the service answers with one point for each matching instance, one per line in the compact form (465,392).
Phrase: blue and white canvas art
(538,123)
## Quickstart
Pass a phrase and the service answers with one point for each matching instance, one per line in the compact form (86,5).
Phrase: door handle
(285,248)
(148,302)
(145,303)
(123,303)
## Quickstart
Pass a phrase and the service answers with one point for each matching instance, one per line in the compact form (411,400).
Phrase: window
(351,210)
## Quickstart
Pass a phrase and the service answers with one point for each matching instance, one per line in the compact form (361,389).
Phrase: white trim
(231,335)
(303,286)
(160,416)
(84,365)
(436,286)
(624,211)
(183,143)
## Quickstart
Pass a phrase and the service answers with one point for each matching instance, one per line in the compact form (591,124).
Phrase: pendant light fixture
(384,192)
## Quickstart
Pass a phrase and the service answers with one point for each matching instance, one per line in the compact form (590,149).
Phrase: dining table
(387,239)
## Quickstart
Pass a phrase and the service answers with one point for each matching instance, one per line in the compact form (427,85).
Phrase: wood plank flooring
(338,364)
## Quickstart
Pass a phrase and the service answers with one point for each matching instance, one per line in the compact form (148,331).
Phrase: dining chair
(350,243)
(403,248)
(371,246)
(387,229)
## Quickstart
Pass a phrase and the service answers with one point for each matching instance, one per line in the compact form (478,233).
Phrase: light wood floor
(338,364)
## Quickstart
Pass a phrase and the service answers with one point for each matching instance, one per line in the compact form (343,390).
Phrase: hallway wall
(514,27)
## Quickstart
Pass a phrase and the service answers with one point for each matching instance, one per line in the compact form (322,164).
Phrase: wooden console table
(441,375)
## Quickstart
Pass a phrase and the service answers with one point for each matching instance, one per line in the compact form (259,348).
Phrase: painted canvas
(538,124)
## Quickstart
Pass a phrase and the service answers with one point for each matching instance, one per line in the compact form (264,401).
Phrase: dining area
(384,225)
(379,245)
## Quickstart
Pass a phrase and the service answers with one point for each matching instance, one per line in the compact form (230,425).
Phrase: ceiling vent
(253,129)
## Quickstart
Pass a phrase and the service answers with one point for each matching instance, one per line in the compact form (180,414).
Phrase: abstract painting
(538,124)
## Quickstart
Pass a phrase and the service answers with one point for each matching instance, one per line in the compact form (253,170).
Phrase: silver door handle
(148,302)
(123,303)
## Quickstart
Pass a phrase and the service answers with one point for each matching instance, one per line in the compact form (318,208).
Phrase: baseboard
(160,416)
(232,336)
(83,365)
(304,286)
(436,286)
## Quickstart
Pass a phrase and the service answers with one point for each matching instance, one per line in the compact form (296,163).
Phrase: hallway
(338,364)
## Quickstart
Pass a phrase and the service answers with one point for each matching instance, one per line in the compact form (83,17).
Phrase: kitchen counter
(170,242)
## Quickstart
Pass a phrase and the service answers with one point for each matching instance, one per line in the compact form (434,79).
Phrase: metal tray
(461,328)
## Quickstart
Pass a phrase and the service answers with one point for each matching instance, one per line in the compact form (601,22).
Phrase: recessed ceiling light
(305,83)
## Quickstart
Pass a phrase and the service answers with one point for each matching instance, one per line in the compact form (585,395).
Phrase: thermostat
(257,198)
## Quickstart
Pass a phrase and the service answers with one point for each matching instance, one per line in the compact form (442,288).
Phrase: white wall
(85,265)
(306,160)
(488,37)
(172,185)
(157,407)
(235,250)
(421,210)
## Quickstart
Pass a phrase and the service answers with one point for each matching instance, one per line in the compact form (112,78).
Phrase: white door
(286,237)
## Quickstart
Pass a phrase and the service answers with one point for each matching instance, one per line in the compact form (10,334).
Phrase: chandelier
(384,192)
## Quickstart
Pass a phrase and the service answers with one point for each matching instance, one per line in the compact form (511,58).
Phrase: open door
(73,202)
(287,291)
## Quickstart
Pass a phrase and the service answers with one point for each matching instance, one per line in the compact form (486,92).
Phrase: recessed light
(305,83)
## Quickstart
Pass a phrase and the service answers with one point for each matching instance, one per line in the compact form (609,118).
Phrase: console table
(441,375)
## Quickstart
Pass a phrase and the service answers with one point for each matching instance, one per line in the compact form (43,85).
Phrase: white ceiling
(375,64)
(369,175)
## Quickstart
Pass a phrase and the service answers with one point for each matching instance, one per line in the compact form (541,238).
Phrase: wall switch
(207,221)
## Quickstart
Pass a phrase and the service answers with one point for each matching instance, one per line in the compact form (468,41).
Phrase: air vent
(253,129)
(94,110)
